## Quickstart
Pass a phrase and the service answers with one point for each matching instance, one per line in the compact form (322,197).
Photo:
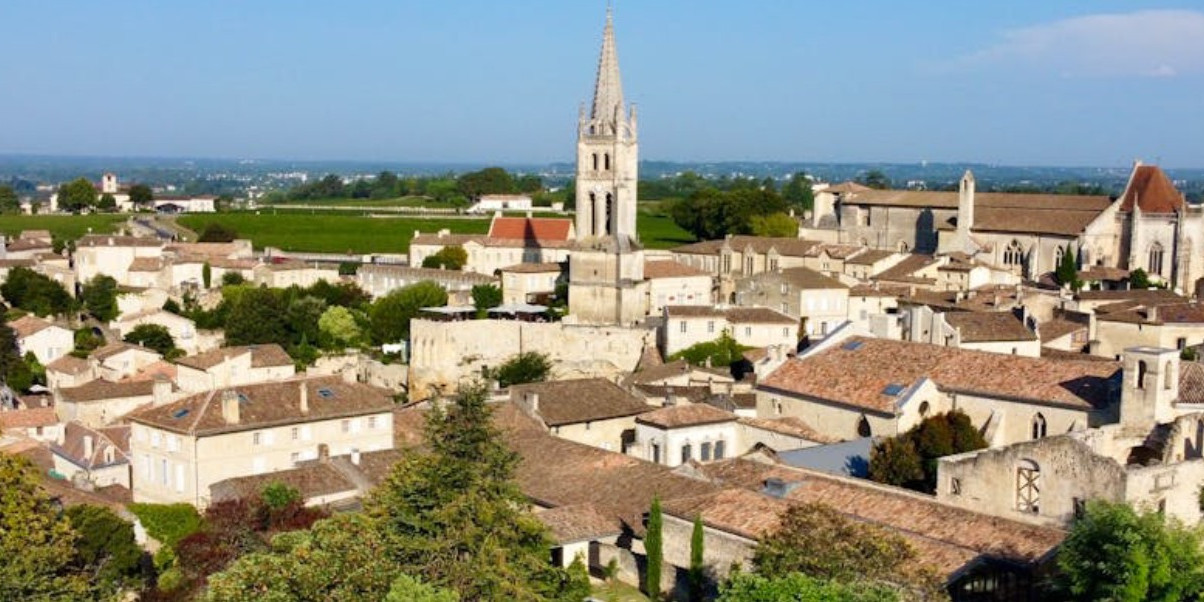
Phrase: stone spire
(608,91)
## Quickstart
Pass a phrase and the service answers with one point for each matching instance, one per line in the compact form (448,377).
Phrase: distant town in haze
(606,378)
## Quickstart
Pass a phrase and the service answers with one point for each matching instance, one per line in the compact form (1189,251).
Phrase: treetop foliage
(910,459)
(36,293)
(720,353)
(522,368)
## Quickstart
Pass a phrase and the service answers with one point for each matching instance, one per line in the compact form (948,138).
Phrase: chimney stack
(89,447)
(323,453)
(230,409)
(304,398)
(532,400)
(355,456)
(670,397)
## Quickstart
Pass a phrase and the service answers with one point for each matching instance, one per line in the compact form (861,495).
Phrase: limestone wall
(444,353)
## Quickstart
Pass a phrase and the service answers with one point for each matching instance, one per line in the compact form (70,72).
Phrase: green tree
(13,368)
(1068,270)
(256,316)
(778,225)
(485,297)
(697,568)
(340,559)
(142,196)
(339,328)
(232,279)
(797,192)
(86,340)
(876,179)
(1116,553)
(409,589)
(100,297)
(9,202)
(106,549)
(448,258)
(390,315)
(153,336)
(454,516)
(107,203)
(521,368)
(892,461)
(36,293)
(820,542)
(654,548)
(711,213)
(215,232)
(206,274)
(278,496)
(721,352)
(303,316)
(37,542)
(1138,279)
(745,587)
(77,195)
(491,180)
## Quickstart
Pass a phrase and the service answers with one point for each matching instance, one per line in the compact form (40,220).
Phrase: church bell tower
(606,265)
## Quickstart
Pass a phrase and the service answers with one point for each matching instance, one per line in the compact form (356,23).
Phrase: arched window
(1028,487)
(1013,254)
(595,161)
(863,428)
(1155,259)
(1141,370)
(1039,426)
(1169,379)
(685,453)
(924,407)
(1059,255)
(610,202)
(606,163)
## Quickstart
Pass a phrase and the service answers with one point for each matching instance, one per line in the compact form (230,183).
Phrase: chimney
(89,447)
(670,397)
(1152,313)
(304,398)
(355,456)
(323,453)
(160,391)
(532,400)
(230,409)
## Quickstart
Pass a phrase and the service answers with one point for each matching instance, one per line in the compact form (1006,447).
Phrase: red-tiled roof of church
(1152,191)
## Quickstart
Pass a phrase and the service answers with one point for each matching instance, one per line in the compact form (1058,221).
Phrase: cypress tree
(696,567)
(653,547)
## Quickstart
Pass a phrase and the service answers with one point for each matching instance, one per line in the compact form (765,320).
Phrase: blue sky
(1071,82)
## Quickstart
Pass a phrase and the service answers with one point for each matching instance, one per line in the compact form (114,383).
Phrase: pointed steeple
(608,90)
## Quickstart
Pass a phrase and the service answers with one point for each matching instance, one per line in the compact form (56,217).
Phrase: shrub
(168,523)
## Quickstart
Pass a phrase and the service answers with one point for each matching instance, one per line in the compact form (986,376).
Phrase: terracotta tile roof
(735,315)
(1177,313)
(670,269)
(1000,212)
(35,235)
(73,449)
(1191,382)
(1072,356)
(147,264)
(69,364)
(790,425)
(311,480)
(1144,295)
(557,472)
(18,263)
(29,324)
(859,372)
(581,522)
(945,536)
(687,393)
(28,245)
(28,418)
(989,326)
(534,268)
(207,249)
(809,279)
(685,415)
(873,290)
(447,239)
(101,389)
(1150,189)
(789,247)
(1099,272)
(408,273)
(564,402)
(655,374)
(539,229)
(905,271)
(103,240)
(159,369)
(844,187)
(1058,328)
(267,404)
(261,356)
(112,349)
(869,257)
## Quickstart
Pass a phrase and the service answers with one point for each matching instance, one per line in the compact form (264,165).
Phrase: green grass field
(60,226)
(328,233)
(407,201)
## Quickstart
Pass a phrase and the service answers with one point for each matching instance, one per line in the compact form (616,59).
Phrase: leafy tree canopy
(36,293)
(910,459)
(721,352)
(745,587)
(710,214)
(525,367)
(100,297)
(339,328)
(486,297)
(390,315)
(106,548)
(1116,553)
(447,258)
(37,541)
(77,195)
(215,232)
(491,180)
(9,201)
(153,336)
(775,224)
(141,195)
(875,178)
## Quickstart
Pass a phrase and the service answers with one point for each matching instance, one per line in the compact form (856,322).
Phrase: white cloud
(1151,43)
